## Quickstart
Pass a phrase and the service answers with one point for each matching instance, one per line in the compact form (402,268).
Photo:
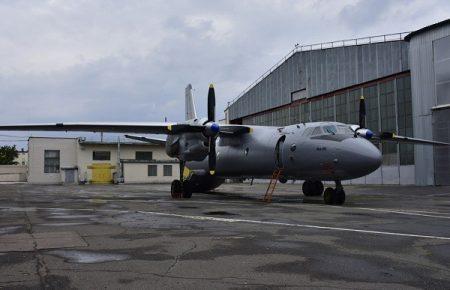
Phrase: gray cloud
(130,61)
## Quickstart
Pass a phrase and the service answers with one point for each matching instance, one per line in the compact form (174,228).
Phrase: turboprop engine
(187,146)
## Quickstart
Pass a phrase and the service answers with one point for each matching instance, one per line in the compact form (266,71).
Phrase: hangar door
(441,132)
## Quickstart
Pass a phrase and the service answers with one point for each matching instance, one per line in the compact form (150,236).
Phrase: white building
(74,160)
(22,158)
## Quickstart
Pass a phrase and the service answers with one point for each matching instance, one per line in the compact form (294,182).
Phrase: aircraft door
(279,151)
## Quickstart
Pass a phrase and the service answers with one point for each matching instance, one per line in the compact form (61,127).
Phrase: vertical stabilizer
(190,112)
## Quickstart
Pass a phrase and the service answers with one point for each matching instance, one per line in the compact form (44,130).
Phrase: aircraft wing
(147,139)
(140,127)
(388,136)
(148,127)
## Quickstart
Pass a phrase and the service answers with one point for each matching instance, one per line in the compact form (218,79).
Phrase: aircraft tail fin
(190,112)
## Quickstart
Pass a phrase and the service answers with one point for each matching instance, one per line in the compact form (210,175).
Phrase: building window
(388,120)
(294,115)
(51,161)
(167,170)
(404,117)
(371,98)
(341,108)
(353,106)
(101,155)
(144,155)
(152,170)
(304,112)
(316,110)
(328,109)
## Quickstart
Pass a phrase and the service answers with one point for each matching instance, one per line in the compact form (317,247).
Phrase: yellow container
(101,173)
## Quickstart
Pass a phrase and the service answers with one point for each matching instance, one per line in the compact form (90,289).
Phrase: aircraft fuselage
(310,151)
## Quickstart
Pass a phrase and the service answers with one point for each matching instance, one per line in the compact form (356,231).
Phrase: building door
(69,176)
(101,172)
(441,132)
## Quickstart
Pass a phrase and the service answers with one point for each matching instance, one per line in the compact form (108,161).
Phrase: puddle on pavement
(187,207)
(84,257)
(9,230)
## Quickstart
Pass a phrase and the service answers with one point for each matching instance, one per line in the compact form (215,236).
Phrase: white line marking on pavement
(230,220)
(405,212)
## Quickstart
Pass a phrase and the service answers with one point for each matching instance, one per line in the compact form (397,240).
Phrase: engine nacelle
(366,133)
(187,146)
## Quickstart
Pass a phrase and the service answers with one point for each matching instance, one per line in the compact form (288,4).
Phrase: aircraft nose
(362,157)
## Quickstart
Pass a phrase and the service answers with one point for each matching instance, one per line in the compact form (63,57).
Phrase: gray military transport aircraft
(210,152)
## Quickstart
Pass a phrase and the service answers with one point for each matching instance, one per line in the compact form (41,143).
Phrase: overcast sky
(131,60)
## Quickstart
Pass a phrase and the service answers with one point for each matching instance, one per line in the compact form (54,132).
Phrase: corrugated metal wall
(322,71)
(424,98)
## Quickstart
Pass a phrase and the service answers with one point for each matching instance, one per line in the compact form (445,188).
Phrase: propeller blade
(211,104)
(212,156)
(362,112)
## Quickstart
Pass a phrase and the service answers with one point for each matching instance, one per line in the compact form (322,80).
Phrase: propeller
(212,129)
(360,130)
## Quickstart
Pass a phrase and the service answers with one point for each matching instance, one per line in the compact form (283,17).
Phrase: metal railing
(324,45)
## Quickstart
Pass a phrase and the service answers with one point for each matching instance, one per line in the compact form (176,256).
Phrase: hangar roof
(427,28)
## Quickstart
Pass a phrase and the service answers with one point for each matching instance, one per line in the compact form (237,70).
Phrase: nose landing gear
(180,189)
(334,196)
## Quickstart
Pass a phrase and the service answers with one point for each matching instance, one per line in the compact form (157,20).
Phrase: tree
(8,154)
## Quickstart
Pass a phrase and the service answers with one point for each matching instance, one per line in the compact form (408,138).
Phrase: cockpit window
(344,130)
(308,131)
(330,129)
(317,131)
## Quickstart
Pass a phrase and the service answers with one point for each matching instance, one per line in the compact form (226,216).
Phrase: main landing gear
(180,189)
(312,188)
(334,196)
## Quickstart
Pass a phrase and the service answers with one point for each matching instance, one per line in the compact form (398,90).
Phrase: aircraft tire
(187,190)
(318,188)
(339,197)
(307,188)
(328,195)
(176,189)
(282,179)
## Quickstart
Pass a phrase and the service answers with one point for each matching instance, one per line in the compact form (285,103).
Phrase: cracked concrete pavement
(136,236)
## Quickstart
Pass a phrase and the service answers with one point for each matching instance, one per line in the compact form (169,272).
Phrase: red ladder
(272,184)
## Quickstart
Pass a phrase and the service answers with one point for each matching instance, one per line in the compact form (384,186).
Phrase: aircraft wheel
(318,188)
(282,179)
(187,190)
(339,197)
(328,195)
(176,189)
(307,188)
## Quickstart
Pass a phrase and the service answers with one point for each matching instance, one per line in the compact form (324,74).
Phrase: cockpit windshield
(327,130)
(331,129)
(341,129)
